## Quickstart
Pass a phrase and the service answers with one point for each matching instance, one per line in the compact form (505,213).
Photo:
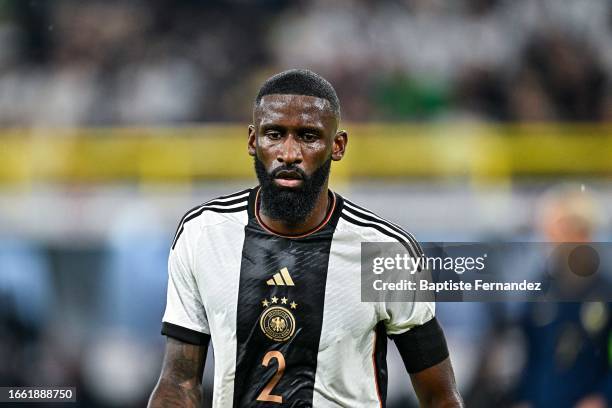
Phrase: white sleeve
(185,316)
(401,316)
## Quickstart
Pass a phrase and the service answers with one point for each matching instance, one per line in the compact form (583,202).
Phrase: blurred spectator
(134,276)
(25,300)
(567,344)
(26,282)
(561,78)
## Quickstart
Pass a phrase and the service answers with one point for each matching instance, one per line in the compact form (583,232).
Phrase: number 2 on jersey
(265,393)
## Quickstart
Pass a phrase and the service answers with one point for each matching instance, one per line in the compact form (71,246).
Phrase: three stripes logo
(281,278)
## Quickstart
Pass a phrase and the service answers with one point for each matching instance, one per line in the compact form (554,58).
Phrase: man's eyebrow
(271,126)
(304,128)
(313,129)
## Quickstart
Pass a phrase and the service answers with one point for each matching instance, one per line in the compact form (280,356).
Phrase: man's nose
(290,151)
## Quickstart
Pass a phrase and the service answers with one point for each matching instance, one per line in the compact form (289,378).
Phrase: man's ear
(339,147)
(252,141)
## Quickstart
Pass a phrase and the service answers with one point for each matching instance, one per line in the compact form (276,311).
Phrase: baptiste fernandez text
(450,285)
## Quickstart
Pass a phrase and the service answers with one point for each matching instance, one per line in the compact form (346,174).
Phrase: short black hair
(300,82)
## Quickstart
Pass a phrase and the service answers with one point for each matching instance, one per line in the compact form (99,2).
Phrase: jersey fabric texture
(284,314)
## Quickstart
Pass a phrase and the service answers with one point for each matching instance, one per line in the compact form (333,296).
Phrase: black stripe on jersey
(369,215)
(210,202)
(380,362)
(377,226)
(225,203)
(184,334)
(206,207)
(306,259)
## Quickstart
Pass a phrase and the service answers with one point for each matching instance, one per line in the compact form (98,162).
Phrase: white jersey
(284,314)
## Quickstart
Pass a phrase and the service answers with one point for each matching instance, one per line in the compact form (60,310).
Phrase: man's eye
(309,137)
(273,135)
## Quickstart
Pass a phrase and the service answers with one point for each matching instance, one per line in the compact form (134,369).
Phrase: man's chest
(285,289)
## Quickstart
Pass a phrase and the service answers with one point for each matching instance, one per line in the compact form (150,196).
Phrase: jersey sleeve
(401,316)
(185,317)
(413,326)
(417,334)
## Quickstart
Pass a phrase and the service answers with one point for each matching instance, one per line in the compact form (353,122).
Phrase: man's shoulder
(214,211)
(372,227)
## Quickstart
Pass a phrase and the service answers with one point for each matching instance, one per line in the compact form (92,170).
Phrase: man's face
(293,140)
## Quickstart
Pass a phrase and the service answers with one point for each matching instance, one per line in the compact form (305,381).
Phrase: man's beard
(290,205)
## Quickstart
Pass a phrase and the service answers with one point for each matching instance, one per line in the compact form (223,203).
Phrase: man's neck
(313,220)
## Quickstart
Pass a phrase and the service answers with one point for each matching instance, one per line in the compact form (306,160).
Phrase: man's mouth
(288,178)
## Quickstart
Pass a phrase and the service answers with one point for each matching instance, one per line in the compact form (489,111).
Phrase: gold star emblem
(274,299)
(293,305)
(284,300)
(265,303)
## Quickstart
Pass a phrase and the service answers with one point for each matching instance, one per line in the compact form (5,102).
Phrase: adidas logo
(281,278)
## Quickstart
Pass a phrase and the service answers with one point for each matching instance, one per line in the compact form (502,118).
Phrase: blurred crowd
(70,62)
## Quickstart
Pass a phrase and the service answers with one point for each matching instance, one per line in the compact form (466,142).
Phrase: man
(272,276)
(567,344)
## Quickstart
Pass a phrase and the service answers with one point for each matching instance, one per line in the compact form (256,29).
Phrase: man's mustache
(288,170)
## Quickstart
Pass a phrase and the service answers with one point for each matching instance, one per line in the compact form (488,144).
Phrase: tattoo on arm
(180,381)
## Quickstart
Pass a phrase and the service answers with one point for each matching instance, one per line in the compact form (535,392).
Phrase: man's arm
(180,381)
(425,354)
(435,386)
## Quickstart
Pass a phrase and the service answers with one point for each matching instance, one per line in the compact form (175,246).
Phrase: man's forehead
(276,106)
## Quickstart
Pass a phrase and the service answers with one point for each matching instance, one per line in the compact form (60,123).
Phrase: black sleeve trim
(422,346)
(184,334)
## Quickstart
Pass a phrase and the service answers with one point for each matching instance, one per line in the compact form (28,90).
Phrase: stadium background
(117,116)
